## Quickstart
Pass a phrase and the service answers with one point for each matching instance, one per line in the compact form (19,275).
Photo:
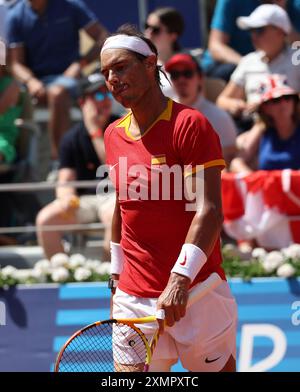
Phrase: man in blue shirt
(43,37)
(227,43)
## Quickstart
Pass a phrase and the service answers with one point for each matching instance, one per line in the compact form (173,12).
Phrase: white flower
(286,271)
(82,274)
(103,268)
(231,250)
(39,276)
(245,251)
(60,274)
(8,272)
(292,252)
(59,260)
(23,274)
(92,264)
(259,253)
(77,260)
(272,261)
(43,267)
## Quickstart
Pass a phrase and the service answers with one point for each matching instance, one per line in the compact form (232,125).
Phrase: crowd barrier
(36,320)
(264,206)
(43,186)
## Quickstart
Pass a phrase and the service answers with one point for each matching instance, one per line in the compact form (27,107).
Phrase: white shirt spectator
(219,119)
(253,69)
(3,12)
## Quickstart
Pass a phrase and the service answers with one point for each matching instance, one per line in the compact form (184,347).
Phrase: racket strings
(129,348)
(104,347)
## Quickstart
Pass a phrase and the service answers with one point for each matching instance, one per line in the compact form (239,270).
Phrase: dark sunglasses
(187,74)
(258,30)
(155,29)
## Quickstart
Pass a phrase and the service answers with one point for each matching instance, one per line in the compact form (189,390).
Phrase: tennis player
(161,247)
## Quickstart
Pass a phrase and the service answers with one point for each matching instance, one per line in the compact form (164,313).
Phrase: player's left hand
(174,300)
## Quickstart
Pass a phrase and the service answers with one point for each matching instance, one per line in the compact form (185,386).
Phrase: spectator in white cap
(265,15)
(276,145)
(269,26)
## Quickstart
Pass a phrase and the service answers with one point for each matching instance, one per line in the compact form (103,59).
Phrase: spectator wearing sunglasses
(276,145)
(188,81)
(164,27)
(81,153)
(269,26)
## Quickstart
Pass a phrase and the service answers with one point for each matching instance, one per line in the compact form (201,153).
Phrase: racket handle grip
(203,288)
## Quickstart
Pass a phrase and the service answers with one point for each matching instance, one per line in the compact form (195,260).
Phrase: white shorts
(203,340)
(93,207)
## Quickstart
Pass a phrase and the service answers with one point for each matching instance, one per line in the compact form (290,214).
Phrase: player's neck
(147,111)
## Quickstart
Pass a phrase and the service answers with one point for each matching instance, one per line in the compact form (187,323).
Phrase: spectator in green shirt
(10,110)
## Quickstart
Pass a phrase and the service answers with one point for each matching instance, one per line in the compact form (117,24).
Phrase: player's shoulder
(181,111)
(185,115)
(114,125)
(189,124)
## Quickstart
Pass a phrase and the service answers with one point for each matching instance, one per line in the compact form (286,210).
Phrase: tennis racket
(118,345)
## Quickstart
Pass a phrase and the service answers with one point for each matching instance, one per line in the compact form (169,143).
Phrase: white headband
(123,41)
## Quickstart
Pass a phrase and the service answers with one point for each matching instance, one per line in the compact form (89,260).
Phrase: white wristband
(190,261)
(160,314)
(117,258)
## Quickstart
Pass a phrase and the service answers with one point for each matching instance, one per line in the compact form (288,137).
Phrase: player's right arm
(116,225)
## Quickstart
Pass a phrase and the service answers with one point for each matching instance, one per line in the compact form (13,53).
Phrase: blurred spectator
(17,208)
(275,146)
(10,110)
(81,152)
(164,27)
(227,43)
(269,25)
(43,37)
(3,12)
(292,7)
(188,81)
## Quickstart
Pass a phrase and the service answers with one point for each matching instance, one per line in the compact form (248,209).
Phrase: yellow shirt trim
(216,162)
(159,160)
(125,122)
